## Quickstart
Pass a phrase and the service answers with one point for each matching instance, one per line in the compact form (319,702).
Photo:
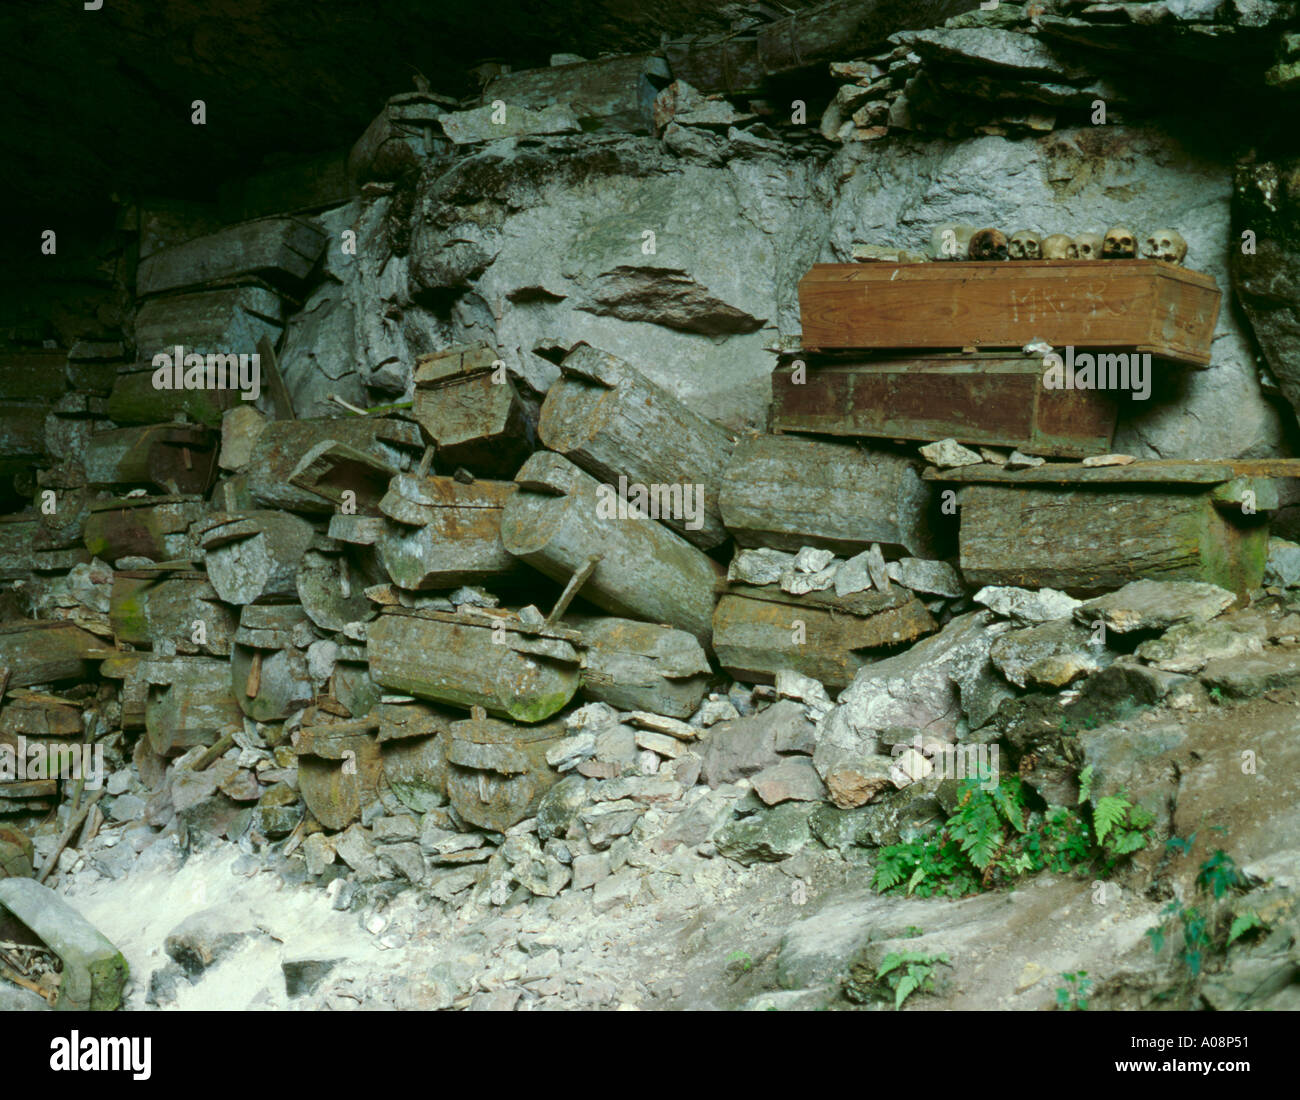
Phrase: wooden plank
(331,469)
(980,399)
(1090,539)
(179,458)
(1079,303)
(613,422)
(787,492)
(278,249)
(558,520)
(755,639)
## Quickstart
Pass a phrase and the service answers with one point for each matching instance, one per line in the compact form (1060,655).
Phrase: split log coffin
(413,739)
(352,685)
(254,555)
(613,422)
(1134,305)
(151,605)
(557,522)
(279,249)
(57,723)
(473,414)
(786,492)
(497,771)
(442,533)
(178,458)
(978,399)
(466,660)
(186,701)
(759,630)
(268,663)
(1089,530)
(283,445)
(150,527)
(609,93)
(641,666)
(331,588)
(45,652)
(340,768)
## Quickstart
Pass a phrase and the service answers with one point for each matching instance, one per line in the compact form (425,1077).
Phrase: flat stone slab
(94,971)
(1242,677)
(1155,605)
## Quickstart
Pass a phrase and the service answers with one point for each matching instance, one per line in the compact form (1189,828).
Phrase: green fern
(907,971)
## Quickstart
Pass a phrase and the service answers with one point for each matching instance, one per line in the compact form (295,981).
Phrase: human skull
(1059,247)
(1089,246)
(1025,245)
(950,241)
(1119,244)
(988,244)
(1165,244)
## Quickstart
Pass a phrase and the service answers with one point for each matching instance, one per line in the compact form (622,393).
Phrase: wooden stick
(254,682)
(275,383)
(571,589)
(214,753)
(73,825)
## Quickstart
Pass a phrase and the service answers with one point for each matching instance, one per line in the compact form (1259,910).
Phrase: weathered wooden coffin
(58,724)
(1088,530)
(178,458)
(473,413)
(232,319)
(496,662)
(44,652)
(559,520)
(442,533)
(610,93)
(268,670)
(612,422)
(413,737)
(152,605)
(497,771)
(351,683)
(332,470)
(283,444)
(277,249)
(340,769)
(32,375)
(22,435)
(988,398)
(759,631)
(331,588)
(1138,305)
(151,527)
(641,666)
(786,492)
(189,703)
(254,555)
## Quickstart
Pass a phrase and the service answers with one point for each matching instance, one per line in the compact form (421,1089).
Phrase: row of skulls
(959,242)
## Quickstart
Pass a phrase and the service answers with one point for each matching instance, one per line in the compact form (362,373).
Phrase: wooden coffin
(757,631)
(496,662)
(641,666)
(560,519)
(152,605)
(497,771)
(178,458)
(268,662)
(613,422)
(442,533)
(193,705)
(43,652)
(253,555)
(340,769)
(283,249)
(1138,305)
(472,411)
(1089,530)
(152,527)
(981,399)
(610,93)
(786,492)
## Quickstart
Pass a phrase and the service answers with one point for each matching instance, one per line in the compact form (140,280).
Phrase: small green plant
(1073,997)
(741,961)
(912,932)
(992,838)
(1217,876)
(1216,696)
(907,971)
